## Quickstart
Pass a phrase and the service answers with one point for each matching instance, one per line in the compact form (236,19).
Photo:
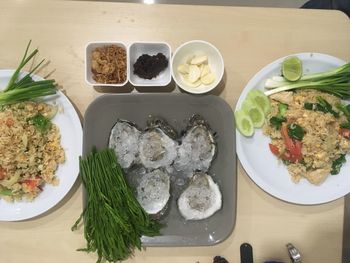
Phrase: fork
(294,253)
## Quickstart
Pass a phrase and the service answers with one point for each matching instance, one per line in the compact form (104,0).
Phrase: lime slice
(292,68)
(244,123)
(259,97)
(254,111)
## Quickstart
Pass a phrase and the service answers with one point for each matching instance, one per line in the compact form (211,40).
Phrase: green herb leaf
(40,122)
(345,125)
(295,131)
(276,122)
(337,164)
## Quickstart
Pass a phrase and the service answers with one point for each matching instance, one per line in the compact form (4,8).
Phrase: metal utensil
(294,253)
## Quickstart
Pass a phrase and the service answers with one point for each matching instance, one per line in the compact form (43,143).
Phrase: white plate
(71,141)
(263,167)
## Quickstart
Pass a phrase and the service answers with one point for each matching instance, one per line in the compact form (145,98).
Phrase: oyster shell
(153,191)
(124,140)
(198,147)
(157,148)
(201,199)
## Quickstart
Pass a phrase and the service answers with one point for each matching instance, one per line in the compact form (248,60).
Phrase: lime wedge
(254,111)
(244,123)
(259,97)
(292,68)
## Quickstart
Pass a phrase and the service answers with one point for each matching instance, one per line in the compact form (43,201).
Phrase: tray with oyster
(177,152)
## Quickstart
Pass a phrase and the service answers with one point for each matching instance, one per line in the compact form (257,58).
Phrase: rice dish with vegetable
(310,133)
(30,149)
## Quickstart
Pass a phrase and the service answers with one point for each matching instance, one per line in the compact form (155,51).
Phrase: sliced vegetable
(293,146)
(345,133)
(5,191)
(260,99)
(337,164)
(244,123)
(295,131)
(31,183)
(327,106)
(254,111)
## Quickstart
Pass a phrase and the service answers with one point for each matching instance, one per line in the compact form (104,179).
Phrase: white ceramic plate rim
(71,140)
(334,187)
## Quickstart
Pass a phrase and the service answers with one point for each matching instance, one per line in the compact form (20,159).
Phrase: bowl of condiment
(106,64)
(149,64)
(197,66)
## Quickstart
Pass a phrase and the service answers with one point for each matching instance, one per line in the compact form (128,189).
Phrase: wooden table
(248,38)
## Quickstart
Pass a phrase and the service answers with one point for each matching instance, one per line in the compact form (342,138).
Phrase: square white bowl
(137,49)
(88,52)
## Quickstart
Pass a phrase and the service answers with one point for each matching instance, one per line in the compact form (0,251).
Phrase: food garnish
(196,71)
(114,221)
(149,67)
(108,64)
(26,88)
(255,108)
(335,81)
(292,68)
(244,123)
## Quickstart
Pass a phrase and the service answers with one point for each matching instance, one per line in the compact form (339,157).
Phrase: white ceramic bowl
(198,48)
(137,49)
(88,51)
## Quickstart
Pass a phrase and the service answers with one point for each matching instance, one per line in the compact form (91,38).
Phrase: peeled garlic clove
(191,84)
(194,73)
(208,79)
(205,70)
(183,69)
(189,59)
(199,60)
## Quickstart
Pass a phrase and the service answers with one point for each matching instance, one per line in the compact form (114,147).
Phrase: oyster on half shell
(157,145)
(198,147)
(201,199)
(153,191)
(124,140)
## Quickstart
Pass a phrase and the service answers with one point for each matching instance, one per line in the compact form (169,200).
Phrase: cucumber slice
(254,111)
(243,123)
(260,99)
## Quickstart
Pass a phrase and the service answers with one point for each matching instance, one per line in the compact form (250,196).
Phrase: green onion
(26,88)
(114,221)
(336,82)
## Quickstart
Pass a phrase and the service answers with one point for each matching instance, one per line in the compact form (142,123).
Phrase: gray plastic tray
(102,114)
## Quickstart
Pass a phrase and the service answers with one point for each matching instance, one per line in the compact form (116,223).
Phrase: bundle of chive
(26,88)
(114,221)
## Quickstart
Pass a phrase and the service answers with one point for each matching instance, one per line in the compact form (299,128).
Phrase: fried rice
(29,157)
(322,143)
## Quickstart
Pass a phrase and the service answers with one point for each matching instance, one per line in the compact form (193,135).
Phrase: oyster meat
(157,146)
(201,199)
(153,191)
(198,147)
(124,140)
